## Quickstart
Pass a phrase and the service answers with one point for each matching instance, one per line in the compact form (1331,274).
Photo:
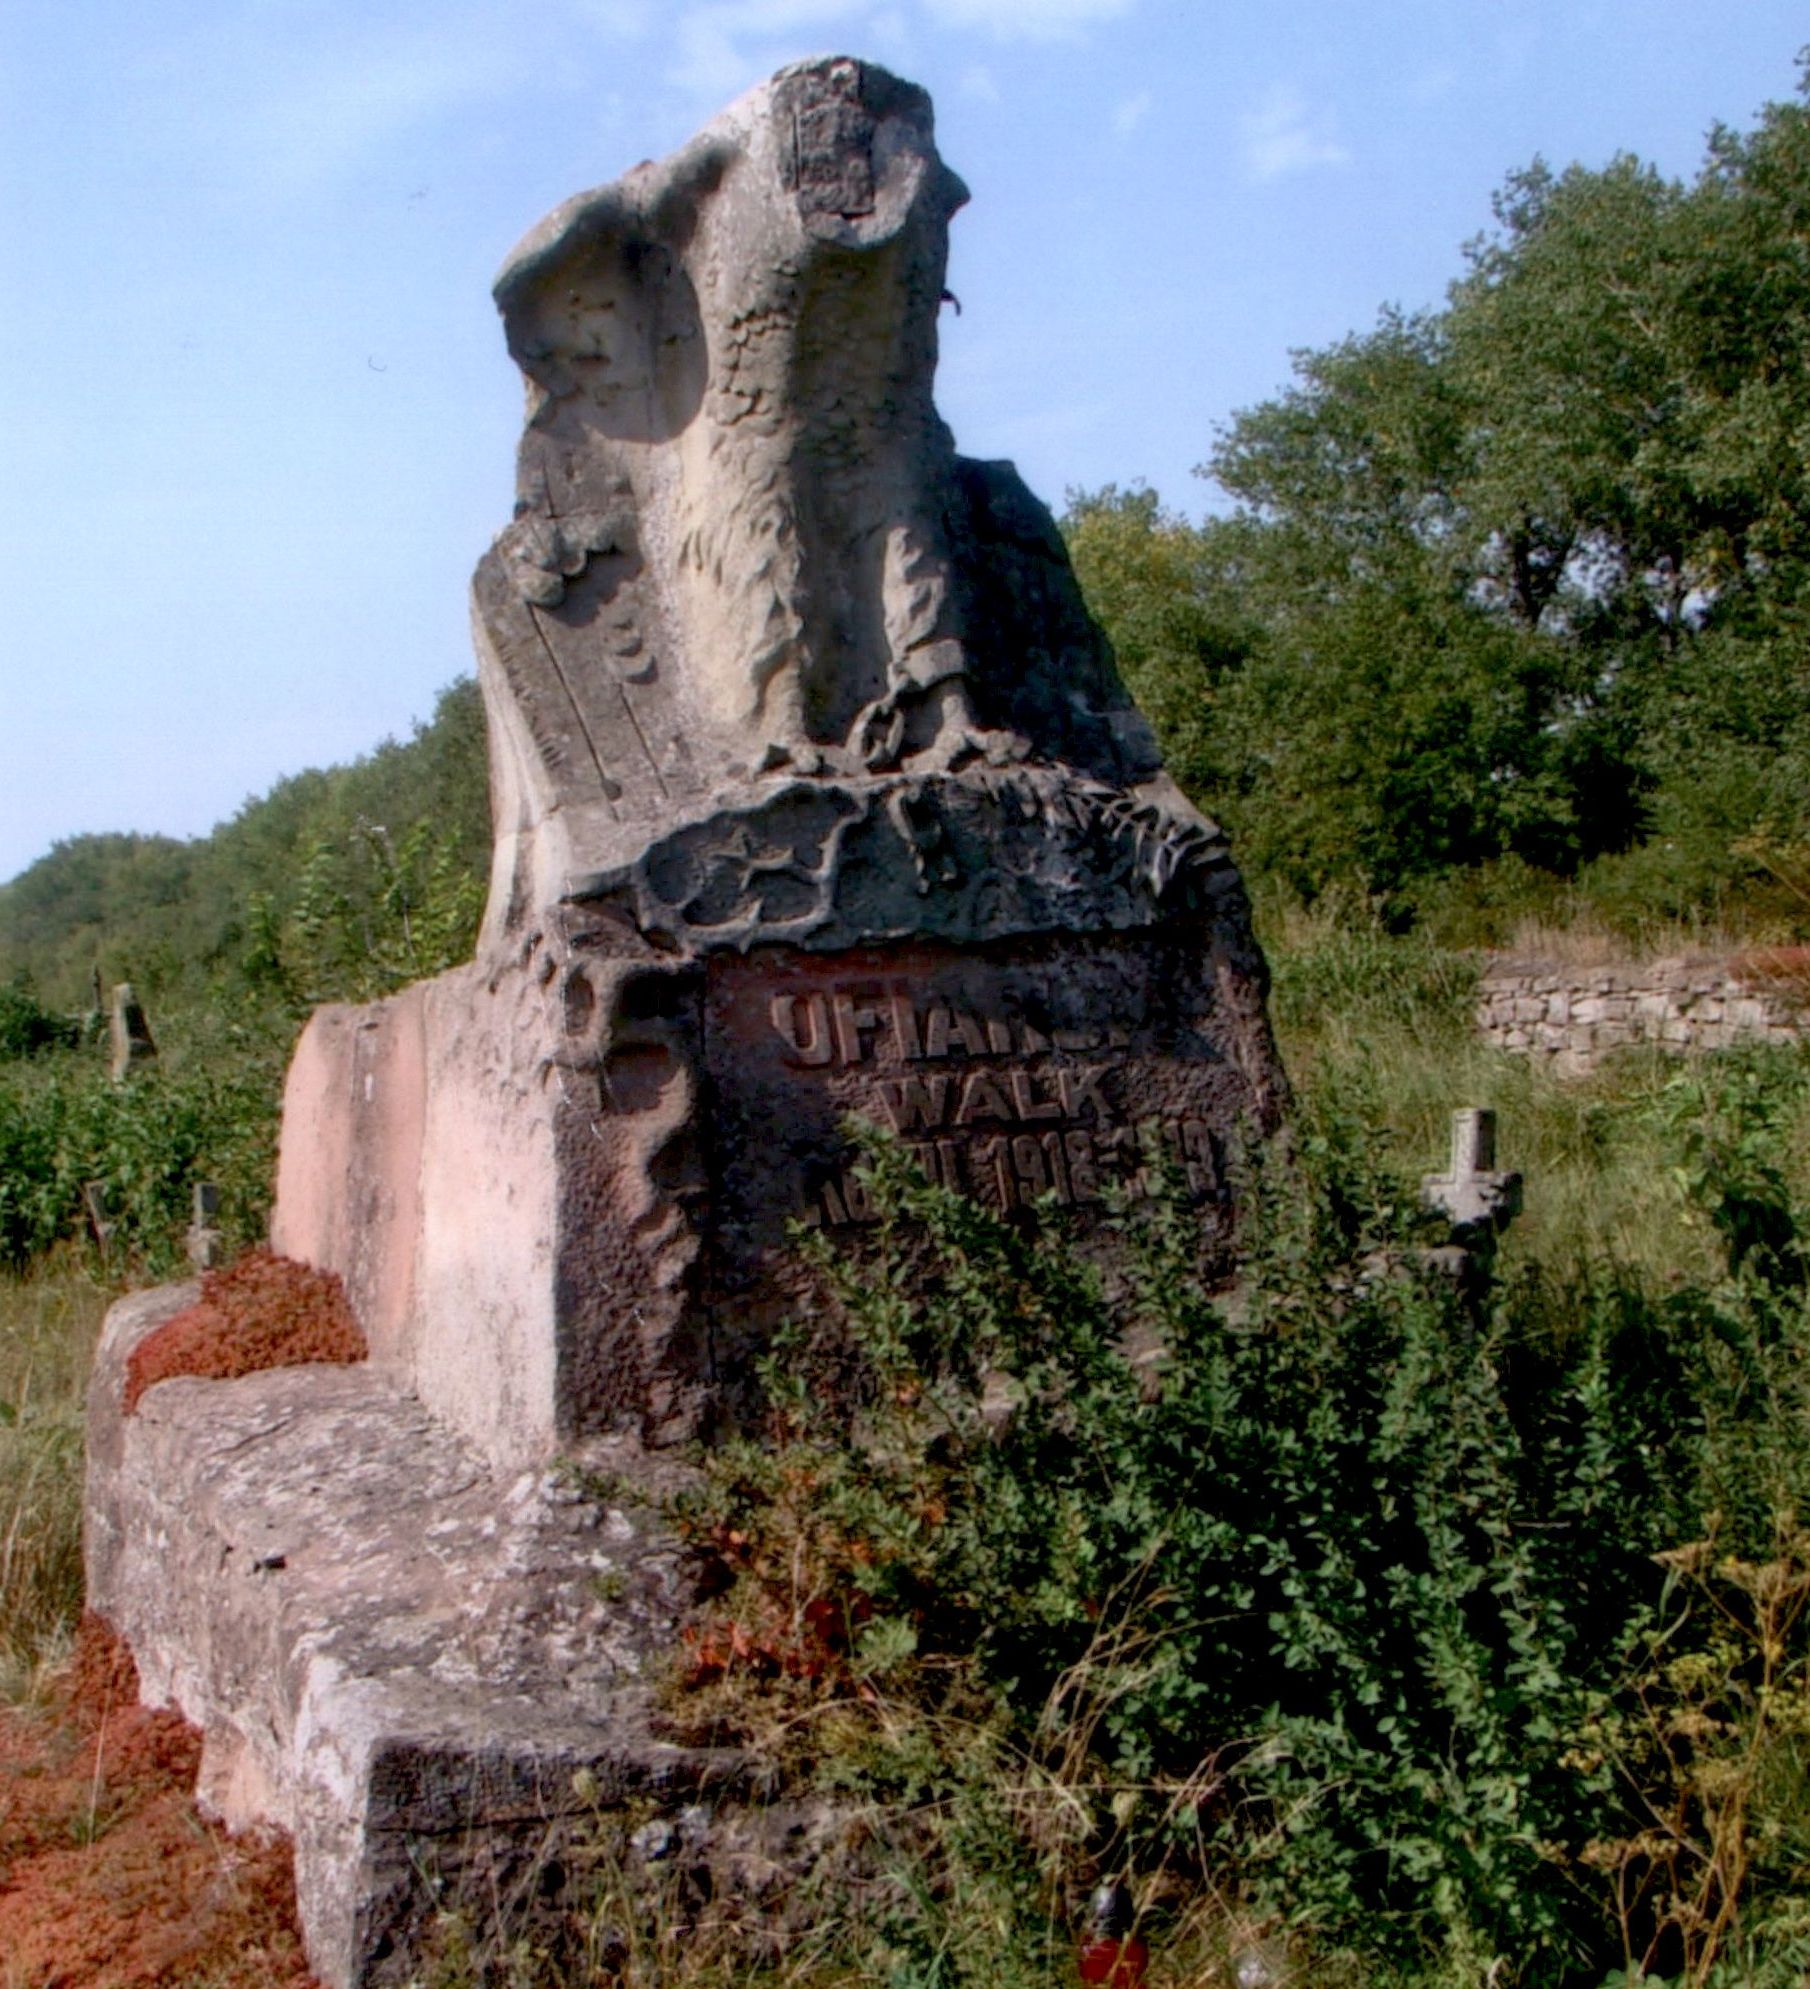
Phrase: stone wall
(1574,1016)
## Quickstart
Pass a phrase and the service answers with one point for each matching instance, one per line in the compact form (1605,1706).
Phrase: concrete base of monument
(436,1681)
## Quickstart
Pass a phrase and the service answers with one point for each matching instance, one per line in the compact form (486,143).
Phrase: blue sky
(255,414)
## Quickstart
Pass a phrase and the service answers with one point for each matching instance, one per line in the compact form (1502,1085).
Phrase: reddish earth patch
(1788,966)
(263,1311)
(109,1876)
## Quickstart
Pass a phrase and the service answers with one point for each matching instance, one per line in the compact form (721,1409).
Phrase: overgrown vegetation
(1455,1637)
(1445,1630)
(336,886)
(81,1156)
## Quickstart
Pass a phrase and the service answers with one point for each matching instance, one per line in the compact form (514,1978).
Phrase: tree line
(339,884)
(1512,593)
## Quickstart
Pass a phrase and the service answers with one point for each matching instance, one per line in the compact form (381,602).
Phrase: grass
(50,1319)
(1387,1024)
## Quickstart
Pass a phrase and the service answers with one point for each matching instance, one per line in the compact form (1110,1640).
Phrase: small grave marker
(130,1033)
(100,1219)
(1480,1199)
(206,1245)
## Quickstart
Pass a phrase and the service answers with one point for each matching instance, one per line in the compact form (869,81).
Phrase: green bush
(143,1143)
(1340,1590)
(27,1026)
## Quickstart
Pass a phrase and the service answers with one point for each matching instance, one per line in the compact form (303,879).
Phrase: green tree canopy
(1525,577)
(342,882)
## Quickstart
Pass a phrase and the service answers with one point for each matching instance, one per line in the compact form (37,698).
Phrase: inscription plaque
(1018,1072)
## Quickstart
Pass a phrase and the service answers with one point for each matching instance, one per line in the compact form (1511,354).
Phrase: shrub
(64,1126)
(1325,1593)
(27,1026)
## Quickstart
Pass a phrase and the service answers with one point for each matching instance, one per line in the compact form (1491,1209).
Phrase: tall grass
(50,1318)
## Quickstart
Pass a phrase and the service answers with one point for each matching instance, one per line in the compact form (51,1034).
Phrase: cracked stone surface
(395,1655)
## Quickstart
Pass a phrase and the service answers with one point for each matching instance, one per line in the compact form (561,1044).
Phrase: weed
(1312,1611)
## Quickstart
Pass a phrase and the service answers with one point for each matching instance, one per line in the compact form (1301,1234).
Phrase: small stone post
(130,1033)
(100,1217)
(205,1243)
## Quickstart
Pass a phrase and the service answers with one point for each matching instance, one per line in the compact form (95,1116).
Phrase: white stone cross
(1477,1196)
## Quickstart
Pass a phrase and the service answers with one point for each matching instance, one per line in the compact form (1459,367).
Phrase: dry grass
(1591,942)
(49,1322)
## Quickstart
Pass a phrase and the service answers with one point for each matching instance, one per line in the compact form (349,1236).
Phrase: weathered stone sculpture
(744,544)
(816,794)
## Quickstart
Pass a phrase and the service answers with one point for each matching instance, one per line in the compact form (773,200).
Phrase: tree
(1525,577)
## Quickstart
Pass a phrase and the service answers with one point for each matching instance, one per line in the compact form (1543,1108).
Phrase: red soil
(263,1311)
(109,1876)
(1785,966)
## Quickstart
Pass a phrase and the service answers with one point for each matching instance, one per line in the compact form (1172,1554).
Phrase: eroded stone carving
(816,794)
(744,544)
(773,677)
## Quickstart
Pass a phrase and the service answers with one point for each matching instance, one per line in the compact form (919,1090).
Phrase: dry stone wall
(1574,1016)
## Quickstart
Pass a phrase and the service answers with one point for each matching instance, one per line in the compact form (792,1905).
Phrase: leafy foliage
(339,885)
(1522,578)
(27,1026)
(65,1129)
(365,918)
(335,884)
(1335,1581)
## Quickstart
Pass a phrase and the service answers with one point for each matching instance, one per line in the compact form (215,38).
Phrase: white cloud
(1027,20)
(977,81)
(1280,137)
(1128,115)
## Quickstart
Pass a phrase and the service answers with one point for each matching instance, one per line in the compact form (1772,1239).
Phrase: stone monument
(816,795)
(129,1038)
